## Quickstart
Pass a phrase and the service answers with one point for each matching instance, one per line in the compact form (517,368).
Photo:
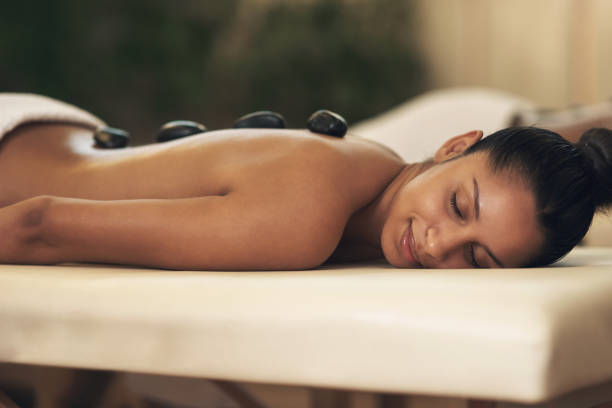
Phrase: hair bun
(596,144)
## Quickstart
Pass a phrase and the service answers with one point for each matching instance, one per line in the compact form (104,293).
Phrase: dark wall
(139,63)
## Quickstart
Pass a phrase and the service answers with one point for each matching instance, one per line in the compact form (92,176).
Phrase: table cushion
(514,334)
(416,128)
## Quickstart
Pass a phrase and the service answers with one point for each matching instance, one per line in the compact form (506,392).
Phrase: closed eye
(473,257)
(454,205)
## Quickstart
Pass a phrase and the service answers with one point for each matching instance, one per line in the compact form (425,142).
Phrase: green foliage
(139,63)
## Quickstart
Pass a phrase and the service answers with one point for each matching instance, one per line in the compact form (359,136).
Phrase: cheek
(419,199)
(428,203)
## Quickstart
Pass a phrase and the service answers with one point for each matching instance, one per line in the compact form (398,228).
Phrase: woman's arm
(213,232)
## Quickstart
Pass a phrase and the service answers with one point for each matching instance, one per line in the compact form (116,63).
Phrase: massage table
(349,335)
(512,335)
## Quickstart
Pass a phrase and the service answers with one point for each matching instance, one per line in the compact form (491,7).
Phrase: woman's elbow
(34,214)
(21,230)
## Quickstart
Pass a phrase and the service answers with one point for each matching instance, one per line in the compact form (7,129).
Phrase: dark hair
(569,181)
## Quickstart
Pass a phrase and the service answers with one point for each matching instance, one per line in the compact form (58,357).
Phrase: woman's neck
(365,226)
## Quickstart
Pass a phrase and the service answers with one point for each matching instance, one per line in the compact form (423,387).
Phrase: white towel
(20,108)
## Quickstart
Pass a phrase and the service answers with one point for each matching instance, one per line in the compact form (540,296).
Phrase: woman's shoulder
(372,166)
(353,168)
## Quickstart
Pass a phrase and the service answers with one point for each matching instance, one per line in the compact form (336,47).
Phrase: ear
(457,145)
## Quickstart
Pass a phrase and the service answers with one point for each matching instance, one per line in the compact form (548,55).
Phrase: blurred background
(140,63)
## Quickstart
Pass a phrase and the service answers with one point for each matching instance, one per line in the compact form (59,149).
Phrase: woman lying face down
(461,214)
(285,199)
(520,197)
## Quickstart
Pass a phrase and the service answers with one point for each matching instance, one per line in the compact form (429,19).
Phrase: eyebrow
(477,214)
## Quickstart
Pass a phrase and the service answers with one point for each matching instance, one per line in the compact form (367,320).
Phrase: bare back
(61,160)
(322,178)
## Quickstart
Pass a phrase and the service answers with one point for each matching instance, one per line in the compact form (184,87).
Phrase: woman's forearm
(210,232)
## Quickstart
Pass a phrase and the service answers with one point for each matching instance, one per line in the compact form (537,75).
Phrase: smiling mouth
(407,244)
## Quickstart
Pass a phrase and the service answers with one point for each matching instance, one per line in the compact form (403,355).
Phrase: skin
(495,227)
(497,230)
(252,199)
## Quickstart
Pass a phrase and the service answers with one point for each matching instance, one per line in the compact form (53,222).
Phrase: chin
(398,265)
(391,256)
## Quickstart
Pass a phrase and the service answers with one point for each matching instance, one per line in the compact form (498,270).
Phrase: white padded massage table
(519,336)
(525,335)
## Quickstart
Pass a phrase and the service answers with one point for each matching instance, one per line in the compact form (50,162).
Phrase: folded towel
(20,108)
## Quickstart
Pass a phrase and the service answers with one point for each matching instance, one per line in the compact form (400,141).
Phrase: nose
(442,243)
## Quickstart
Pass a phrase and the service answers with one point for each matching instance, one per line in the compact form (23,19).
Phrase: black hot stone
(327,123)
(261,119)
(178,129)
(106,137)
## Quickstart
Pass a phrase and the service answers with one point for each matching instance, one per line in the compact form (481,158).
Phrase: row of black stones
(322,121)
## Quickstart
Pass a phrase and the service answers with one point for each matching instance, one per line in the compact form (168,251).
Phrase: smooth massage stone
(260,120)
(111,138)
(178,129)
(327,123)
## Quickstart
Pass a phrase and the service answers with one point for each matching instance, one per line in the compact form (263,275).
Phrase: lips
(407,246)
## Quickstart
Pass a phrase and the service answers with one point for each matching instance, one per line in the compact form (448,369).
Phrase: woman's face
(459,214)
